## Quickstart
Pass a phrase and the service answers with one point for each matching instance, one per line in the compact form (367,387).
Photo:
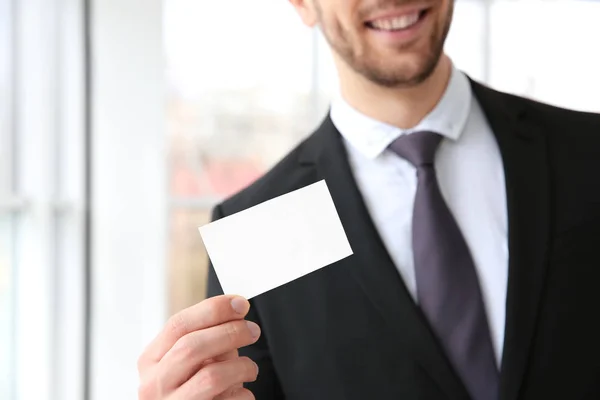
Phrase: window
(41,201)
(7,207)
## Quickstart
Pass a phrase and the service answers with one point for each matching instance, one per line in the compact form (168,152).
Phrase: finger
(217,378)
(221,357)
(235,388)
(225,357)
(238,394)
(147,389)
(190,352)
(207,313)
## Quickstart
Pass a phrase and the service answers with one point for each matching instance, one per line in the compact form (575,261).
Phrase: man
(474,217)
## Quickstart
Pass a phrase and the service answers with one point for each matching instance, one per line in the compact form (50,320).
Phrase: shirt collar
(372,137)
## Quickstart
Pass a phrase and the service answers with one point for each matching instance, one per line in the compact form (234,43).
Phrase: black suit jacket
(351,331)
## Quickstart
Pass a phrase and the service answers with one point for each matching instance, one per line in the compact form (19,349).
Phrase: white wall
(129,233)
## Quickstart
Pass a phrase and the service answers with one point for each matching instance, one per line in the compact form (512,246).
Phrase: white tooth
(385,24)
(405,21)
(402,22)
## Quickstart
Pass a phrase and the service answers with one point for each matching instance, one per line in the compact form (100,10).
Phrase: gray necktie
(448,291)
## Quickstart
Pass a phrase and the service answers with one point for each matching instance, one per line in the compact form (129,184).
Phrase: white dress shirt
(471,178)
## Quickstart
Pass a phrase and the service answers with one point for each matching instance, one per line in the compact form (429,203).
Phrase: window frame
(42,195)
(8,202)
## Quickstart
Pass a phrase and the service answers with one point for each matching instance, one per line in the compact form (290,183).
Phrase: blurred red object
(219,178)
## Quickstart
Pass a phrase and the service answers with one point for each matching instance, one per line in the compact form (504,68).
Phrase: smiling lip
(396,23)
(398,26)
(397,13)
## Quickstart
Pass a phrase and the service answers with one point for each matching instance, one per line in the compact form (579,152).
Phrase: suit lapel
(371,264)
(523,150)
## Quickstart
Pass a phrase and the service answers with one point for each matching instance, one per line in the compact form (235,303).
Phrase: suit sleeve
(267,386)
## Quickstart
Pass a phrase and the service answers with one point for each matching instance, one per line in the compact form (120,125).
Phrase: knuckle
(185,346)
(144,364)
(233,331)
(209,381)
(212,313)
(145,361)
(177,325)
(147,390)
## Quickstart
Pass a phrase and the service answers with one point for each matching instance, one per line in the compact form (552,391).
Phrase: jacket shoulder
(563,116)
(550,115)
(559,119)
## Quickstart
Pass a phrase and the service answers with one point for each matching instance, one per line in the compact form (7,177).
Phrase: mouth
(398,23)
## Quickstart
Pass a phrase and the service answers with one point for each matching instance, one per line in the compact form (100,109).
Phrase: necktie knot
(417,148)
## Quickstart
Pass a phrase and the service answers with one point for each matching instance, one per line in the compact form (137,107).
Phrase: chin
(405,72)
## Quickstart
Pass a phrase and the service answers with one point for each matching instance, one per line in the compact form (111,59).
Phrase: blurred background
(122,122)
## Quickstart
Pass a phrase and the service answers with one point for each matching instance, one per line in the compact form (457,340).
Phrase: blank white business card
(276,242)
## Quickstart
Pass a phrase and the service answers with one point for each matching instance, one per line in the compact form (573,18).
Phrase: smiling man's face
(393,43)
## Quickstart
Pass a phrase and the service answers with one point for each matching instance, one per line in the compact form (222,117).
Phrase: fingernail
(254,329)
(257,370)
(239,305)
